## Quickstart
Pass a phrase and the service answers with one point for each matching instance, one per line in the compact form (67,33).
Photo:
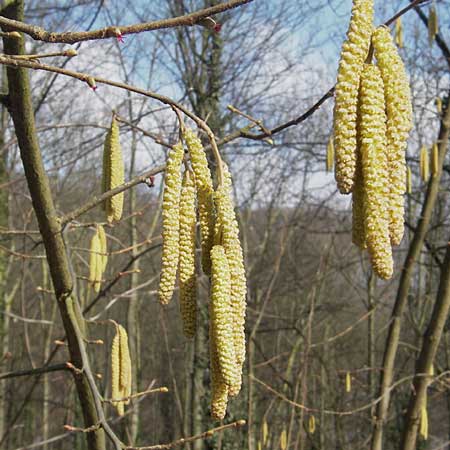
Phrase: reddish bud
(217,27)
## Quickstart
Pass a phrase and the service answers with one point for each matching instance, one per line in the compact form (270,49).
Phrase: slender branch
(32,372)
(183,441)
(40,34)
(160,390)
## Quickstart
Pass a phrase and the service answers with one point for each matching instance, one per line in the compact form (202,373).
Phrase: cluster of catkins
(120,370)
(221,258)
(372,120)
(112,176)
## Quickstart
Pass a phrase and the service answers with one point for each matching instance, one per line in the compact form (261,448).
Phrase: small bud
(217,27)
(70,52)
(91,82)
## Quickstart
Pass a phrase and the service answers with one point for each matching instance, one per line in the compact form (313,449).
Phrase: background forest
(336,358)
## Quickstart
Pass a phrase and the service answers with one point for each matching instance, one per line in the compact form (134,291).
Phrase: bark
(21,110)
(431,340)
(414,250)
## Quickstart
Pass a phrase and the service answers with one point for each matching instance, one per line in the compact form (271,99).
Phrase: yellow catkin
(95,262)
(424,164)
(358,232)
(221,315)
(399,33)
(330,155)
(374,166)
(434,159)
(103,247)
(283,440)
(219,389)
(348,382)
(115,373)
(399,123)
(433,25)
(408,180)
(312,424)
(439,105)
(353,54)
(259,445)
(204,185)
(229,233)
(113,172)
(188,295)
(423,429)
(265,432)
(125,365)
(171,224)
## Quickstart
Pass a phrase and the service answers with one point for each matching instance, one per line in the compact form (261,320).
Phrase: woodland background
(315,311)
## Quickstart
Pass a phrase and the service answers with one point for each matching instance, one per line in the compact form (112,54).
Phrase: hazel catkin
(374,167)
(424,164)
(433,26)
(353,54)
(399,123)
(113,172)
(228,228)
(204,185)
(171,223)
(188,297)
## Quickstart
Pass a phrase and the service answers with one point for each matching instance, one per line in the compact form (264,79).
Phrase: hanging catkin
(103,247)
(399,123)
(188,297)
(120,370)
(283,439)
(171,223)
(353,54)
(424,164)
(439,105)
(423,430)
(265,432)
(229,238)
(113,172)
(433,26)
(399,33)
(221,315)
(348,382)
(95,262)
(374,166)
(204,185)
(312,424)
(434,159)
(125,365)
(330,155)
(115,374)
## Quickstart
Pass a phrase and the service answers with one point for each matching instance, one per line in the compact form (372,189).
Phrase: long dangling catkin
(188,295)
(204,185)
(424,164)
(399,33)
(312,424)
(374,166)
(221,315)
(125,365)
(113,172)
(115,374)
(283,439)
(353,54)
(434,159)
(95,262)
(330,155)
(348,382)
(408,180)
(433,26)
(219,389)
(399,123)
(358,232)
(103,247)
(171,223)
(439,105)
(226,220)
(423,430)
(265,432)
